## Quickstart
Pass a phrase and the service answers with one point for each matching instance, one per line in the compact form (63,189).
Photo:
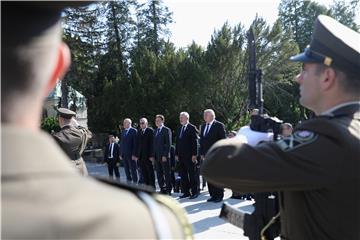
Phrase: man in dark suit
(211,132)
(128,150)
(144,153)
(162,143)
(112,158)
(186,153)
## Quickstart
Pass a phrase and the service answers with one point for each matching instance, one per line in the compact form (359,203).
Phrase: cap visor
(303,58)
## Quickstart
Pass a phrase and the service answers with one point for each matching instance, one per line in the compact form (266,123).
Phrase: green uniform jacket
(316,170)
(72,141)
(43,197)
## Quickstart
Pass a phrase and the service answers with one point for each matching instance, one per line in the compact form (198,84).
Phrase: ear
(328,80)
(61,67)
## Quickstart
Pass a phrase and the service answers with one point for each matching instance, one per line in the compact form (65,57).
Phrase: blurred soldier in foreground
(320,161)
(43,197)
(72,138)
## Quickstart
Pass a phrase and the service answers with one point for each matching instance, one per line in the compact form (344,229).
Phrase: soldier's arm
(272,166)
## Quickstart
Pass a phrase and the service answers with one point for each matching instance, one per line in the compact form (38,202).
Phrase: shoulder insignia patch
(297,139)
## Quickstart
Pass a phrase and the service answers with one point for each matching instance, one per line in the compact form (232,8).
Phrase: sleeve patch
(297,139)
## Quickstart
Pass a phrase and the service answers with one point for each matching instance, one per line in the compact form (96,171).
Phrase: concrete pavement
(202,215)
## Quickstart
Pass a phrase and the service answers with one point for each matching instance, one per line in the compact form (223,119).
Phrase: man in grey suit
(162,143)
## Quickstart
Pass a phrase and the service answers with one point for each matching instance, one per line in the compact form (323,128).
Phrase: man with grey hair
(186,155)
(128,150)
(286,129)
(211,132)
(144,152)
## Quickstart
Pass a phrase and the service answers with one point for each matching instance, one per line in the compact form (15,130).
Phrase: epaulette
(149,197)
(127,186)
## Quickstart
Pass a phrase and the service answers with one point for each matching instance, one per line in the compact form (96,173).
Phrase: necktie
(207,129)
(111,148)
(157,131)
(182,131)
(126,132)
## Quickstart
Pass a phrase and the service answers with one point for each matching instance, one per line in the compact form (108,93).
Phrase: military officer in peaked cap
(317,168)
(42,196)
(72,138)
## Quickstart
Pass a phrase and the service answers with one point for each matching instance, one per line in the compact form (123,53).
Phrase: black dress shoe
(210,199)
(216,200)
(194,196)
(185,195)
(235,197)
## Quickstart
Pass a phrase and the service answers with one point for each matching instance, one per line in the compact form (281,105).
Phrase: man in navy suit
(111,157)
(186,154)
(211,132)
(162,143)
(144,152)
(128,150)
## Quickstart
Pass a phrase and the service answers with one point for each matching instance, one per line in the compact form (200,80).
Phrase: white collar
(329,111)
(211,123)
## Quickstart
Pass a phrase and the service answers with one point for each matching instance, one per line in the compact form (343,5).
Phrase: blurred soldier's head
(159,120)
(33,59)
(209,115)
(66,117)
(331,66)
(127,123)
(184,118)
(143,123)
(286,129)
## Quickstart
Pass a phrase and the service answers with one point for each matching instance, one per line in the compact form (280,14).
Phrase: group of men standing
(145,150)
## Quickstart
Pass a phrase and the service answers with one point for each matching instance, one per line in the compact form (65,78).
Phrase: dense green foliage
(125,65)
(50,124)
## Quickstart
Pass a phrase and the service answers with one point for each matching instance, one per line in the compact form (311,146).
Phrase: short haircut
(186,114)
(25,68)
(161,117)
(144,119)
(348,81)
(128,120)
(210,111)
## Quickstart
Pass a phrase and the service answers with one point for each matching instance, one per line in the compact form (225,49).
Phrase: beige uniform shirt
(43,197)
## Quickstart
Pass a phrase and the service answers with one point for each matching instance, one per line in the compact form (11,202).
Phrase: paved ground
(203,215)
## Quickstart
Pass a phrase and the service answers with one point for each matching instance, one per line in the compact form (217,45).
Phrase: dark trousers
(266,207)
(188,175)
(130,169)
(111,163)
(163,174)
(215,191)
(147,171)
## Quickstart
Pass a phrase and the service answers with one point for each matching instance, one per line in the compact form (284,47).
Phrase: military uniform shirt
(316,170)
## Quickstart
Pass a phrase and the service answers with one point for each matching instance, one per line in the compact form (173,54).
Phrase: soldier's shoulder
(169,219)
(299,138)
